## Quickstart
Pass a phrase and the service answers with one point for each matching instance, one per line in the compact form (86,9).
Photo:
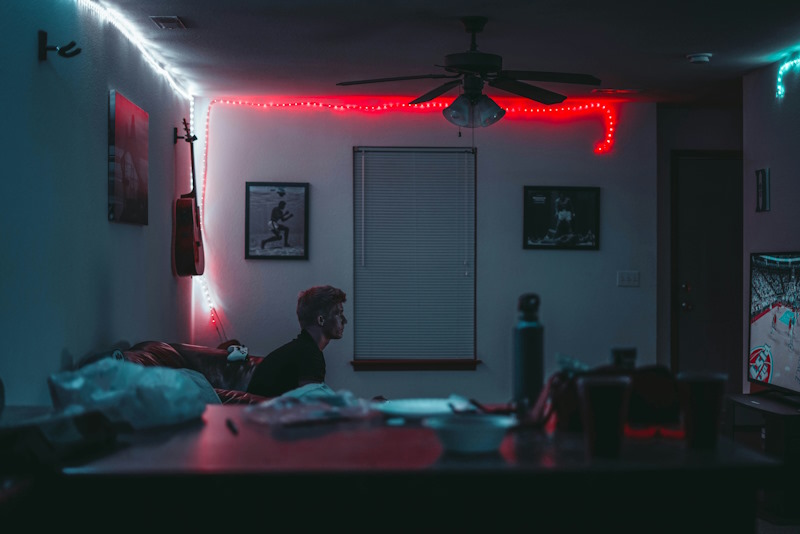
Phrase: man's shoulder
(289,347)
(283,349)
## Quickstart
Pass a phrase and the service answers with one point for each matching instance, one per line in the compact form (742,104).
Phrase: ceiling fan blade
(528,91)
(558,77)
(399,79)
(442,89)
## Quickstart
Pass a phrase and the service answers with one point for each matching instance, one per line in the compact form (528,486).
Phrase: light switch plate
(628,278)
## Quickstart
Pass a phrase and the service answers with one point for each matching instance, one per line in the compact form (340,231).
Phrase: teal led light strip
(794,62)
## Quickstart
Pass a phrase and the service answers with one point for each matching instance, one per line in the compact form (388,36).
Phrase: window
(414,291)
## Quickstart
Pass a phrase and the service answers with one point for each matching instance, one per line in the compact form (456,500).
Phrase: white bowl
(470,433)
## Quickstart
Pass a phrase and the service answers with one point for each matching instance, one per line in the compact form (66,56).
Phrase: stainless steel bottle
(528,354)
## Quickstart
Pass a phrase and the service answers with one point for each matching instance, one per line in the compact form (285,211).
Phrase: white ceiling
(304,47)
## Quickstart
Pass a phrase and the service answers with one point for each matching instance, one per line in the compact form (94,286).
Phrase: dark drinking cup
(701,395)
(604,411)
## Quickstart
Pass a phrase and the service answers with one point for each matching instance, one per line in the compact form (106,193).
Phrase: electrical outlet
(628,278)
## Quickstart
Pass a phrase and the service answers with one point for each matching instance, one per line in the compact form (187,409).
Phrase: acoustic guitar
(188,251)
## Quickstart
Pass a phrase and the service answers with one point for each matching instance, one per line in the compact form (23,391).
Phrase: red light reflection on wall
(515,108)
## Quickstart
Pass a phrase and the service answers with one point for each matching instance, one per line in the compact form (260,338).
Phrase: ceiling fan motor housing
(473,87)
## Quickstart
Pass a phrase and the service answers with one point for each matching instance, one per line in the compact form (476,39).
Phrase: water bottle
(528,354)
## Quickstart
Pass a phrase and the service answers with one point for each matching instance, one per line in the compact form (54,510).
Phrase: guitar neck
(193,192)
(191,151)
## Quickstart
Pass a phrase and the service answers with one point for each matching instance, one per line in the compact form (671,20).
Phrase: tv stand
(777,434)
(770,401)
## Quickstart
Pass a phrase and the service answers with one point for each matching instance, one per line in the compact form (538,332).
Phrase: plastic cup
(604,411)
(701,395)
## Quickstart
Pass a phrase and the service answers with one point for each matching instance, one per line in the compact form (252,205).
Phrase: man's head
(281,204)
(321,306)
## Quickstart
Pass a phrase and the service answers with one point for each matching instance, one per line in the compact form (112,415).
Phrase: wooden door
(706,281)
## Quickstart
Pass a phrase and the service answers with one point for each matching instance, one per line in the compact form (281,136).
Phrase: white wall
(71,282)
(583,311)
(771,140)
(74,284)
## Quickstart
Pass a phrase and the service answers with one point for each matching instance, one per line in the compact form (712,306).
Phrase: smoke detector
(703,57)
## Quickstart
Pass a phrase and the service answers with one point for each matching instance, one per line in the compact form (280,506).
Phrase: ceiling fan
(472,69)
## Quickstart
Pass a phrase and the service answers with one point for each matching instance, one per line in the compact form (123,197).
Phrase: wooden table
(369,475)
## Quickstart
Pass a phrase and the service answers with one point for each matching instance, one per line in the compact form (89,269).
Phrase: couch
(229,379)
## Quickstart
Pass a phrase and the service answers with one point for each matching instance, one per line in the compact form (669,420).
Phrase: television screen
(774,355)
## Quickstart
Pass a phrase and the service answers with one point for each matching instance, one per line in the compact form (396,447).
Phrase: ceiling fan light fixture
(459,112)
(465,113)
(486,111)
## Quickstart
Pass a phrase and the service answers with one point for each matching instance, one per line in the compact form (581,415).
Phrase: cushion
(149,353)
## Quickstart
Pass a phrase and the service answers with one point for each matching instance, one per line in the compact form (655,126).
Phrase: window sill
(447,364)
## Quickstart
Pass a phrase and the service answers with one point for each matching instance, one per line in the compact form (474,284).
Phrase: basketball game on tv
(773,357)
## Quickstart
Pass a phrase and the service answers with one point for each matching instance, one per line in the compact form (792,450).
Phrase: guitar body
(189,257)
(188,241)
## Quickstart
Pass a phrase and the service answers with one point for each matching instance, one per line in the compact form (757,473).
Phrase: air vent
(168,23)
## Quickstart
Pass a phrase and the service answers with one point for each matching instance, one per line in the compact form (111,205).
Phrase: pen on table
(231,426)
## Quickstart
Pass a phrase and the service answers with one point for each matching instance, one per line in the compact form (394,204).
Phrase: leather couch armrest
(214,364)
(151,353)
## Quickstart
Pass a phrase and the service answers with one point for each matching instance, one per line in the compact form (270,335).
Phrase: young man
(300,361)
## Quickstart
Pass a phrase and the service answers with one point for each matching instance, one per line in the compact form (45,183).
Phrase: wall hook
(186,137)
(67,50)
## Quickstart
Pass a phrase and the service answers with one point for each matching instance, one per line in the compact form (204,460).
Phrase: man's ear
(320,320)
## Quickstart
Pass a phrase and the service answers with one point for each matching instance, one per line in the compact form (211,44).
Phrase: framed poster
(561,218)
(128,127)
(276,221)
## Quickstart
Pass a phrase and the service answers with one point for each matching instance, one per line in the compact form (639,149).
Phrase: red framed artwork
(128,126)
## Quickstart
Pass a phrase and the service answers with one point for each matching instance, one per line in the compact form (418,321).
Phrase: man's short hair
(317,300)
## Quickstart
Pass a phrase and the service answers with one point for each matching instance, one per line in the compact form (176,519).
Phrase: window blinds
(414,233)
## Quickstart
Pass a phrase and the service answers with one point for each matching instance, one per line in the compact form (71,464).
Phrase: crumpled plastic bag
(130,393)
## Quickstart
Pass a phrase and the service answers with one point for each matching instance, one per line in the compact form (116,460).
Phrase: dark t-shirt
(282,369)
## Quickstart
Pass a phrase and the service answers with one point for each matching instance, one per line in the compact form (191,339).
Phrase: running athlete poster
(276,221)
